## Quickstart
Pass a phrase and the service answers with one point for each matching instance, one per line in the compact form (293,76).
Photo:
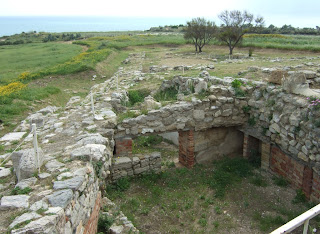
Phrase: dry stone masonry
(81,151)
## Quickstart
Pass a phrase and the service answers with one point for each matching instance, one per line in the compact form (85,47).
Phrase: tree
(235,24)
(200,31)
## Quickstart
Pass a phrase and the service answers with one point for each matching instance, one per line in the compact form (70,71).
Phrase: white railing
(298,221)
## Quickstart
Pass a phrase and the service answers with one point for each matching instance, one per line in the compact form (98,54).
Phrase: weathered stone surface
(274,128)
(26,182)
(25,162)
(303,157)
(13,136)
(4,172)
(150,104)
(16,201)
(122,163)
(96,152)
(47,225)
(309,74)
(60,198)
(141,170)
(65,175)
(93,139)
(53,165)
(201,86)
(39,205)
(73,183)
(23,218)
(48,110)
(116,229)
(44,175)
(198,115)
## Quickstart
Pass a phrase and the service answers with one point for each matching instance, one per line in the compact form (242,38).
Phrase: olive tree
(200,31)
(235,24)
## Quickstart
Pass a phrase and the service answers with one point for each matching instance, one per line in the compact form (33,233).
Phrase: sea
(10,25)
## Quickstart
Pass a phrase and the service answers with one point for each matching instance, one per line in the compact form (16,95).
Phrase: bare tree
(235,24)
(200,31)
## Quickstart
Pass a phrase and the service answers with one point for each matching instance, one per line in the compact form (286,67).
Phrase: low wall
(125,166)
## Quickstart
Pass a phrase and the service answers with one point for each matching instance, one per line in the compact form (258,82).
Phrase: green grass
(126,115)
(136,96)
(16,59)
(179,193)
(289,42)
(19,191)
(169,94)
(145,143)
(268,222)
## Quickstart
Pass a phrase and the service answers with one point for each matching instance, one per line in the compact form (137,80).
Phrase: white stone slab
(13,136)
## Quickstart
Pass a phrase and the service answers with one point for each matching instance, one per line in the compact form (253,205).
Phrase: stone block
(16,201)
(73,183)
(141,170)
(122,163)
(60,198)
(25,162)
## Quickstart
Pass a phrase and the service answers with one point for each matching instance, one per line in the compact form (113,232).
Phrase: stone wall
(222,108)
(289,142)
(125,166)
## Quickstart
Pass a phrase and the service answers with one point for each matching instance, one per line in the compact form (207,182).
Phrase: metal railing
(298,221)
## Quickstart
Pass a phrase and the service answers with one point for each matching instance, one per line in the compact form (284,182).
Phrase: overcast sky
(278,12)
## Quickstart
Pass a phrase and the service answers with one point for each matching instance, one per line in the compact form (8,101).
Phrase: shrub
(104,223)
(147,141)
(136,96)
(280,181)
(246,109)
(11,88)
(236,83)
(120,185)
(168,94)
(252,121)
(300,197)
(251,52)
(258,180)
(126,115)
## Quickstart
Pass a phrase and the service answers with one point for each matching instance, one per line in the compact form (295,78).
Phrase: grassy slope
(15,59)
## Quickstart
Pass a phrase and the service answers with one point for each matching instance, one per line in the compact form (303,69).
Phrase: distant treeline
(288,29)
(33,36)
(271,29)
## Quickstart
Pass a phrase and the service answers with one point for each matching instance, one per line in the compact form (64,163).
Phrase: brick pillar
(307,181)
(315,194)
(123,147)
(186,148)
(265,155)
(92,224)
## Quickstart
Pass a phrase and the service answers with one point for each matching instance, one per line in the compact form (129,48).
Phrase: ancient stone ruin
(80,151)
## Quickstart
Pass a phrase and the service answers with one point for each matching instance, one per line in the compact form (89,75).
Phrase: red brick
(92,224)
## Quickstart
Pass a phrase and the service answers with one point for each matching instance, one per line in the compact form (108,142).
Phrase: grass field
(222,197)
(287,42)
(29,66)
(33,57)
